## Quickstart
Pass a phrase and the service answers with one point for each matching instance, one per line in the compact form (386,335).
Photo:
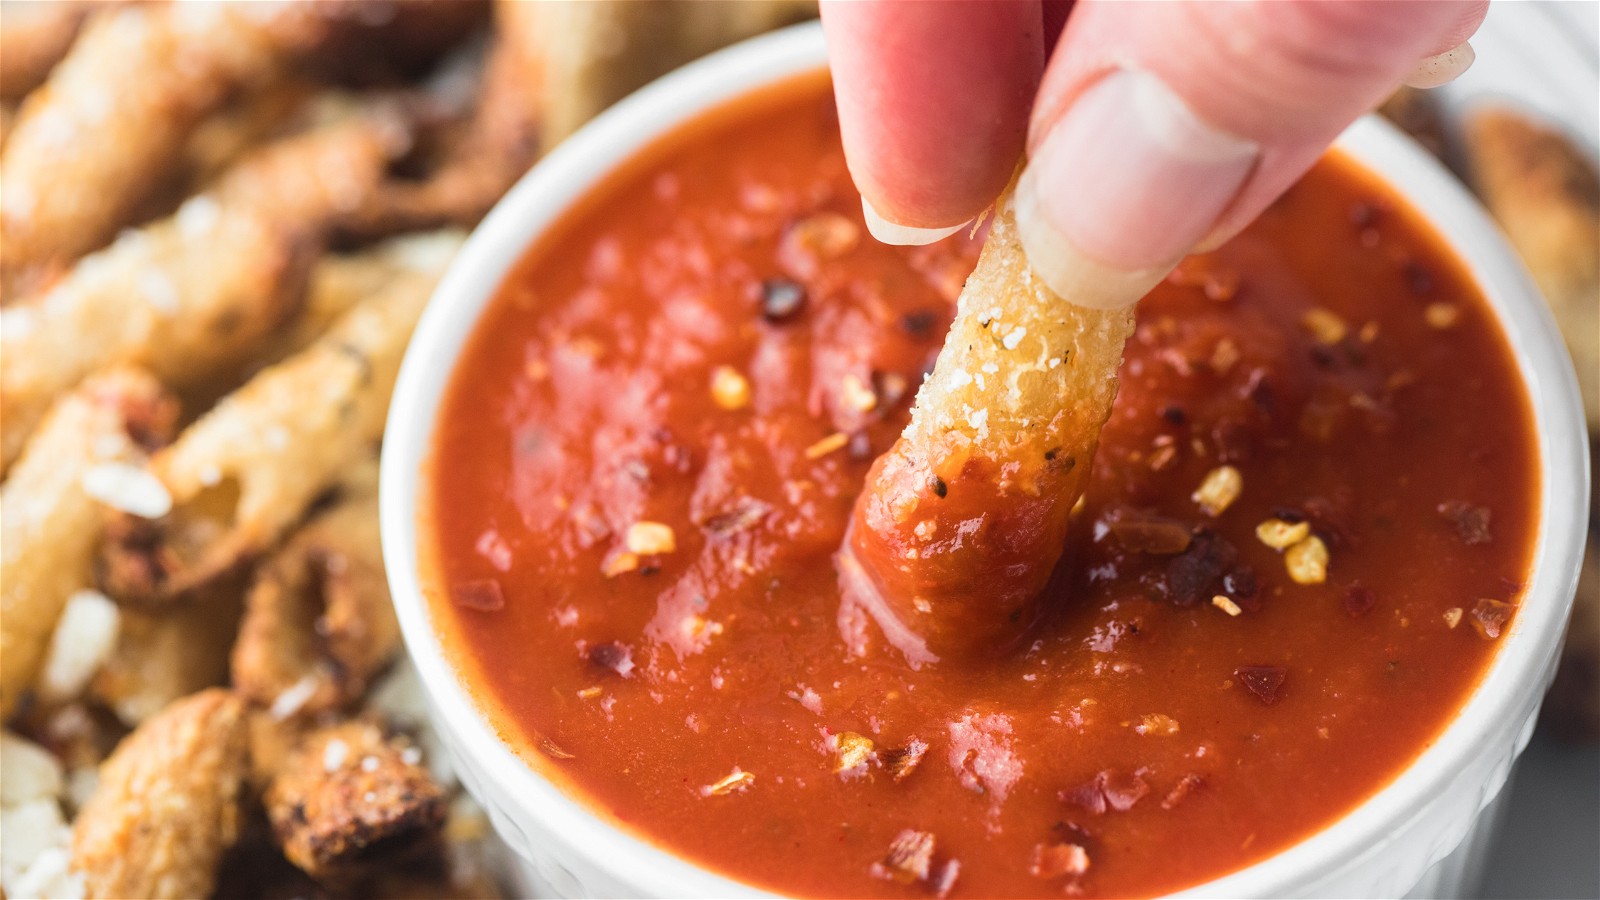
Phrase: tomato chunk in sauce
(1308,526)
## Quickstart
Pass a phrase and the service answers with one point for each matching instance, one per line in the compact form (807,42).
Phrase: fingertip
(933,102)
(894,233)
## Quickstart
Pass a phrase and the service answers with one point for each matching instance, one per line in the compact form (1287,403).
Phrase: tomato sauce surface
(649,451)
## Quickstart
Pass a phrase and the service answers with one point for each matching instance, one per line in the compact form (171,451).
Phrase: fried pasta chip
(468,160)
(168,803)
(962,521)
(248,470)
(1545,192)
(189,296)
(318,622)
(35,37)
(51,508)
(594,54)
(118,109)
(351,796)
(166,654)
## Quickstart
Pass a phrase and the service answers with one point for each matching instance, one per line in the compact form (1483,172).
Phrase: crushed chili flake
(1441,315)
(909,859)
(1058,860)
(902,761)
(1307,561)
(650,538)
(1359,600)
(1265,682)
(943,879)
(618,562)
(1185,786)
(1280,535)
(1471,522)
(746,512)
(1145,533)
(1218,490)
(1192,573)
(1324,326)
(1108,790)
(729,389)
(1489,617)
(738,780)
(483,595)
(1452,617)
(1224,355)
(919,324)
(857,394)
(613,655)
(853,750)
(1158,724)
(1226,604)
(781,299)
(551,749)
(827,445)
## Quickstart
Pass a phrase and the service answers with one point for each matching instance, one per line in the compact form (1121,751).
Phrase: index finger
(933,101)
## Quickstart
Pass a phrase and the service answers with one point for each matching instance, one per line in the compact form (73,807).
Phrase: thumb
(1157,130)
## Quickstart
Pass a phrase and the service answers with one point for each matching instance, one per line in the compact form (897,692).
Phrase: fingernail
(1442,68)
(1122,187)
(888,232)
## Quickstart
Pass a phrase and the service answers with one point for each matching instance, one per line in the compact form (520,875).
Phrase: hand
(1151,131)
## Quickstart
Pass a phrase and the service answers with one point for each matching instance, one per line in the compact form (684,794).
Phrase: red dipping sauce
(649,452)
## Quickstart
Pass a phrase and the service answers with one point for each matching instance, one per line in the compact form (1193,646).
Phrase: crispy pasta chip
(318,623)
(350,796)
(167,805)
(962,521)
(248,470)
(35,37)
(190,296)
(1545,191)
(52,506)
(117,109)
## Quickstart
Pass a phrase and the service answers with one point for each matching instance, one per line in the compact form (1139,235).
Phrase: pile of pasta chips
(219,225)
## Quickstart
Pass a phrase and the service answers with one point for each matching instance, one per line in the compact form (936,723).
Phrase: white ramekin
(1394,843)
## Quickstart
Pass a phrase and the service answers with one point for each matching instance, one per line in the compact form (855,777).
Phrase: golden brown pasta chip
(167,805)
(1001,439)
(116,111)
(351,796)
(318,622)
(85,453)
(248,470)
(189,297)
(1546,193)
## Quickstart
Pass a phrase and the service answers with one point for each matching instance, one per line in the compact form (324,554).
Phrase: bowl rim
(1494,713)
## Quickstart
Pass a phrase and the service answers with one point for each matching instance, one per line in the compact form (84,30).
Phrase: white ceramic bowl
(1392,844)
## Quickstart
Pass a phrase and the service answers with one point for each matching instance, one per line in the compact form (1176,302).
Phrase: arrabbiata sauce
(1310,521)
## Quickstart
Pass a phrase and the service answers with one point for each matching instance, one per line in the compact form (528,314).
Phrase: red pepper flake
(1266,682)
(1471,522)
(1058,861)
(1489,617)
(1241,585)
(1185,786)
(483,595)
(919,324)
(1359,600)
(1109,790)
(1192,574)
(781,299)
(901,762)
(613,655)
(909,859)
(944,877)
(1145,533)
